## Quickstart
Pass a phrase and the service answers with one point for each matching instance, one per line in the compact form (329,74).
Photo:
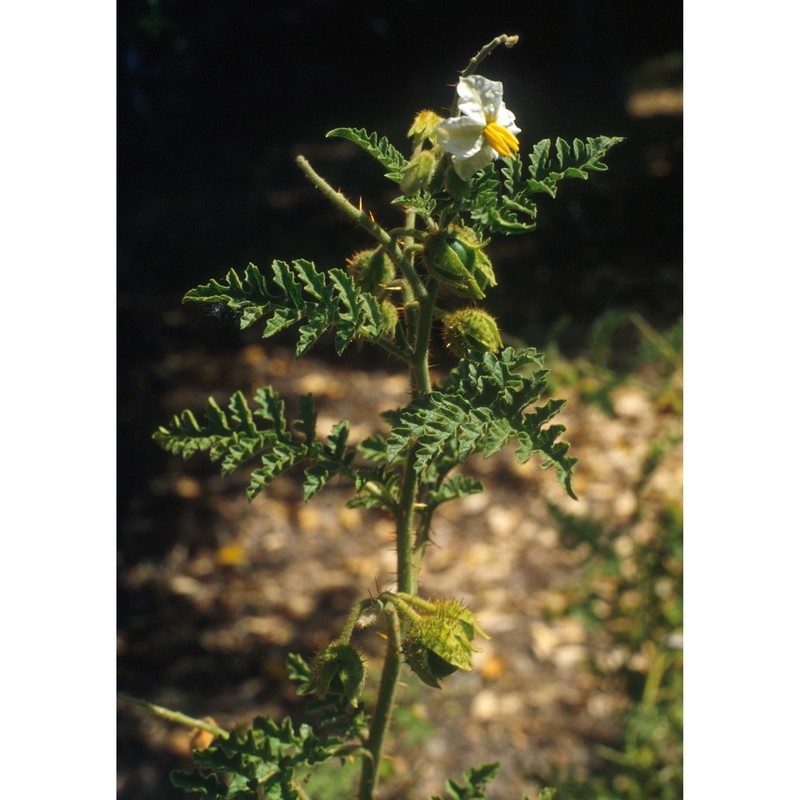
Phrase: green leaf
(569,162)
(298,293)
(240,435)
(373,448)
(205,785)
(262,760)
(306,420)
(500,197)
(475,780)
(458,486)
(334,460)
(380,149)
(481,407)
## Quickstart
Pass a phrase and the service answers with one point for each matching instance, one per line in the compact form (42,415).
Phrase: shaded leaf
(298,293)
(380,149)
(481,407)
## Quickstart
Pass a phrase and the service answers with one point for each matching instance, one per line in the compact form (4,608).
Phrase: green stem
(422,324)
(369,225)
(474,62)
(404,602)
(174,716)
(406,575)
(370,767)
(421,368)
(390,347)
(407,569)
(350,625)
(301,792)
(410,294)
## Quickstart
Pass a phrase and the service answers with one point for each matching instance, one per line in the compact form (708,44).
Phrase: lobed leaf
(297,293)
(475,779)
(500,197)
(576,161)
(380,149)
(333,460)
(259,761)
(240,435)
(458,486)
(482,407)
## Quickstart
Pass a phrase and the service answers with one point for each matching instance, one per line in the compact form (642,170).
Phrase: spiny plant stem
(175,716)
(352,620)
(474,62)
(406,576)
(370,767)
(422,374)
(409,292)
(364,220)
(407,568)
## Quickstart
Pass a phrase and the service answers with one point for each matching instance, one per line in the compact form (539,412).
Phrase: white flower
(485,131)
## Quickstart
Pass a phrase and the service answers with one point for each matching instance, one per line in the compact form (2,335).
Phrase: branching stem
(419,302)
(369,225)
(407,566)
(352,620)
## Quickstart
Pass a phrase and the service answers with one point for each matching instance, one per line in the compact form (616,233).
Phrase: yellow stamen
(501,139)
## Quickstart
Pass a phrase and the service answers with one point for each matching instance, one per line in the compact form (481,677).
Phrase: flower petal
(460,136)
(466,167)
(506,119)
(479,98)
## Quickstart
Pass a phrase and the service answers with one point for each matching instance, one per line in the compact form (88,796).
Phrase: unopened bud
(372,270)
(417,175)
(439,171)
(424,124)
(389,314)
(448,261)
(470,329)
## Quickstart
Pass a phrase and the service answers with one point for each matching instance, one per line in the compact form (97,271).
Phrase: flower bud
(338,669)
(372,270)
(417,175)
(470,329)
(389,314)
(424,124)
(439,171)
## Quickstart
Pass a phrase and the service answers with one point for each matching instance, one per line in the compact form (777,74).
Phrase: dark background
(215,100)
